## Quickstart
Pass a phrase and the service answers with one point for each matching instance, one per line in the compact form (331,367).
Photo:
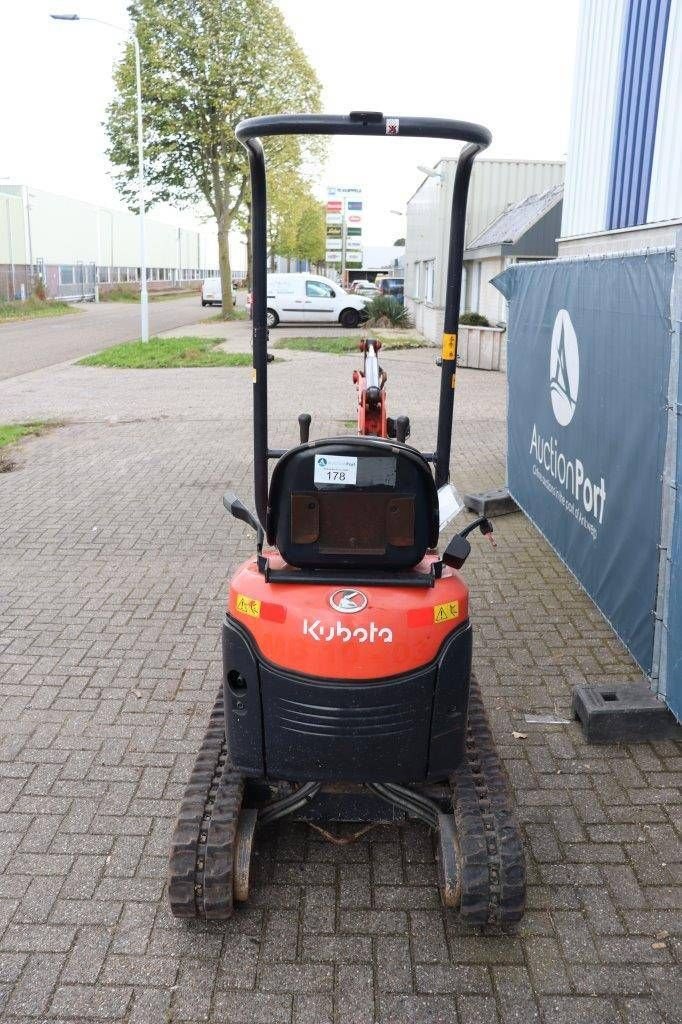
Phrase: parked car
(212,292)
(309,298)
(394,286)
(356,286)
(369,291)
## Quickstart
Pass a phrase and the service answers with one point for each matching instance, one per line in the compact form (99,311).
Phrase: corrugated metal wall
(595,89)
(641,70)
(12,240)
(626,122)
(665,194)
(65,231)
(496,184)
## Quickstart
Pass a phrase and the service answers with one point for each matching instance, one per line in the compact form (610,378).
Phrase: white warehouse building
(71,244)
(496,185)
(623,177)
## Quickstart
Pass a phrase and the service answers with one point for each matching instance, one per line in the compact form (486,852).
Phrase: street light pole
(144,296)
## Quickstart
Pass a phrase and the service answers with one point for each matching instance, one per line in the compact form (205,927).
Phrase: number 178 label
(335,469)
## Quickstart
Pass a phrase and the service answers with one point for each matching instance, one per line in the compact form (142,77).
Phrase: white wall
(495,184)
(595,100)
(595,85)
(67,231)
(481,296)
(12,238)
(665,195)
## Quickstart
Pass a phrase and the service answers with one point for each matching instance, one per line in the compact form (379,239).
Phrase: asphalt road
(33,344)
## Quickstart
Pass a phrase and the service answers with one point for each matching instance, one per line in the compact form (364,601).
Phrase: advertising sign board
(588,362)
(344,225)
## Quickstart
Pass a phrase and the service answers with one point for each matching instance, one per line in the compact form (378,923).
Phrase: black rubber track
(201,855)
(493,866)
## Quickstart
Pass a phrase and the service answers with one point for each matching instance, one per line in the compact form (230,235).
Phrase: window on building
(417,290)
(66,275)
(429,275)
(475,294)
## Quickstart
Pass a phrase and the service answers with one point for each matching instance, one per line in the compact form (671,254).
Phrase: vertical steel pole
(11,249)
(259,303)
(453,288)
(144,297)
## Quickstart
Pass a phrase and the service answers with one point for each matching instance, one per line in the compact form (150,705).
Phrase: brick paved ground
(115,551)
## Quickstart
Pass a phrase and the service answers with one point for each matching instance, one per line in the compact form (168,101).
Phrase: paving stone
(295,977)
(87,956)
(469,979)
(477,1010)
(546,966)
(32,995)
(578,1010)
(355,994)
(409,1009)
(244,1007)
(91,774)
(313,1009)
(150,1006)
(393,964)
(83,1001)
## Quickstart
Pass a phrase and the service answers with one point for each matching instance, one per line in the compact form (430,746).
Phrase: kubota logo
(564,369)
(348,601)
(363,634)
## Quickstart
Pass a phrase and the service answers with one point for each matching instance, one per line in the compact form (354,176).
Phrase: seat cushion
(353,502)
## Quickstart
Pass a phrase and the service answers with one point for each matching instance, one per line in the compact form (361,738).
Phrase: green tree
(310,236)
(206,65)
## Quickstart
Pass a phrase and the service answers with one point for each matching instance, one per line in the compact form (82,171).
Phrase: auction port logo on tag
(564,369)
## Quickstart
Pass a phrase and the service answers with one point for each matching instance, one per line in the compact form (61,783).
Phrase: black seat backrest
(354,502)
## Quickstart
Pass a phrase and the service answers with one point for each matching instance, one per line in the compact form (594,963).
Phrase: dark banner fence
(589,435)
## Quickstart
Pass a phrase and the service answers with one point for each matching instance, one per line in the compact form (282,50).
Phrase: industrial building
(74,246)
(496,185)
(623,181)
(526,231)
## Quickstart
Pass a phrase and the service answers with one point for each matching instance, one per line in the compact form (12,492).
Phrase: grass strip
(167,353)
(342,345)
(32,309)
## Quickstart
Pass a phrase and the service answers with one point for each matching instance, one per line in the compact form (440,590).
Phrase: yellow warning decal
(248,606)
(449,350)
(445,612)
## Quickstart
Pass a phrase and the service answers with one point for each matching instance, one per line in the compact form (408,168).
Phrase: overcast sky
(506,65)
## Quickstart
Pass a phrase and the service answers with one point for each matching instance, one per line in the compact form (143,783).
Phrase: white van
(212,292)
(311,299)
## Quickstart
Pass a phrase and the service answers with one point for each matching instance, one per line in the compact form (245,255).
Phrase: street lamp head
(66,17)
(430,172)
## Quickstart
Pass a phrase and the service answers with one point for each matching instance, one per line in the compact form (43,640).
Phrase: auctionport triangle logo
(564,369)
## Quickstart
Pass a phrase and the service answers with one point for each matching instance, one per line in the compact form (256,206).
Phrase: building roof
(514,222)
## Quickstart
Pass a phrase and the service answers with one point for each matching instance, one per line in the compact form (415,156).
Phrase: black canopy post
(363,123)
(453,291)
(259,302)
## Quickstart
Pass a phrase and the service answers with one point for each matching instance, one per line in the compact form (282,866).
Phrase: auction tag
(335,469)
(449,504)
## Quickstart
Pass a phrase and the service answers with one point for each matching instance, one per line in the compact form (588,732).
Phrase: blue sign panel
(588,361)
